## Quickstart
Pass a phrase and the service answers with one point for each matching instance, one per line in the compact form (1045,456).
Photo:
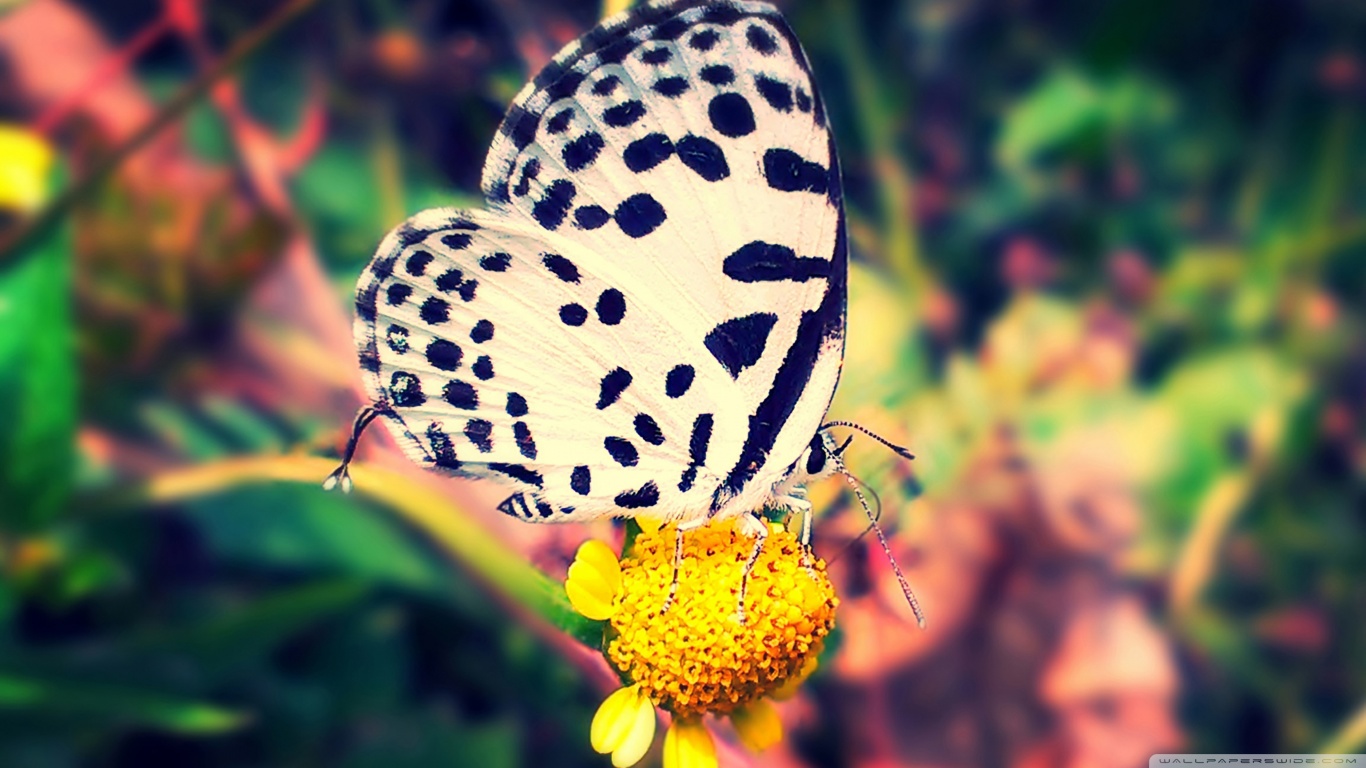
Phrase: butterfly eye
(815,456)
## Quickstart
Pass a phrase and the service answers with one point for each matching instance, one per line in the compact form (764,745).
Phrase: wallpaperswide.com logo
(1180,760)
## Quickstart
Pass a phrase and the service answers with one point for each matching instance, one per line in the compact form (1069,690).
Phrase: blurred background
(1109,264)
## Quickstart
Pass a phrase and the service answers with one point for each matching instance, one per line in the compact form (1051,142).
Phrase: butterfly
(649,316)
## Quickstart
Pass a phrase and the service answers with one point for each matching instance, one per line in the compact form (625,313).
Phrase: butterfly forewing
(671,304)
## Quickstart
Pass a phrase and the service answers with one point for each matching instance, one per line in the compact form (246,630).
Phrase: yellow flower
(698,658)
(27,159)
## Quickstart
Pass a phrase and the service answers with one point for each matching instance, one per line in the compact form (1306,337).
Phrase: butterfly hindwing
(676,162)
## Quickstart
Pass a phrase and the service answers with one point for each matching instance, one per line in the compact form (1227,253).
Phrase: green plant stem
(878,122)
(168,114)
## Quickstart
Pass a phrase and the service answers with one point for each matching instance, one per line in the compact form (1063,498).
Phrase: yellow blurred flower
(25,162)
(697,658)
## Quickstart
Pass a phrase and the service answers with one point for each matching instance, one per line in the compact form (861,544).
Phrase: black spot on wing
(480,432)
(551,209)
(481,332)
(496,262)
(483,368)
(606,85)
(739,343)
(645,496)
(565,86)
(461,395)
(383,268)
(611,306)
(457,241)
(639,215)
(369,357)
(397,293)
(760,40)
(366,301)
(671,87)
(561,267)
(449,280)
(544,509)
(525,444)
(530,170)
(765,262)
(396,336)
(646,152)
(559,123)
(703,157)
(689,477)
(405,390)
(581,480)
(467,289)
(803,99)
(519,125)
(435,311)
(700,439)
(671,29)
(648,429)
(518,472)
(573,314)
(724,15)
(516,405)
(704,40)
(657,56)
(613,384)
(622,451)
(443,355)
(788,171)
(731,115)
(591,217)
(678,380)
(717,74)
(443,450)
(581,152)
(417,263)
(624,114)
(777,93)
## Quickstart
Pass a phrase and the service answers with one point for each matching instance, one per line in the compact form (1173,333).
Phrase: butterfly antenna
(342,474)
(902,452)
(882,538)
(877,515)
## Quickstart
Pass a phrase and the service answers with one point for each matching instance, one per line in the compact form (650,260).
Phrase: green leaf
(1060,110)
(37,382)
(132,706)
(305,528)
(225,643)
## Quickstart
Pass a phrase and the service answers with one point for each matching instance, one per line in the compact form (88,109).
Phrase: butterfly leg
(683,527)
(796,501)
(342,474)
(756,527)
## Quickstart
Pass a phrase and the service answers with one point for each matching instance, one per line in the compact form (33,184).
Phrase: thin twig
(168,114)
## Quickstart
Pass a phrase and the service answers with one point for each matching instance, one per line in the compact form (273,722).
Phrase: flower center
(697,657)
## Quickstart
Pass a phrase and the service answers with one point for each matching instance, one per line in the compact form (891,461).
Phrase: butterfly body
(648,318)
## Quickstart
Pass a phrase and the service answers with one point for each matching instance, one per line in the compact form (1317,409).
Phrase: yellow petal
(688,745)
(27,159)
(601,557)
(639,737)
(649,524)
(614,719)
(758,725)
(594,580)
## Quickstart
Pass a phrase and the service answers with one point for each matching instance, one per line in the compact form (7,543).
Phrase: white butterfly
(649,317)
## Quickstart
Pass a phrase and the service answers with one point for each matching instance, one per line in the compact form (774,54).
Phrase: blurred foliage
(1121,245)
